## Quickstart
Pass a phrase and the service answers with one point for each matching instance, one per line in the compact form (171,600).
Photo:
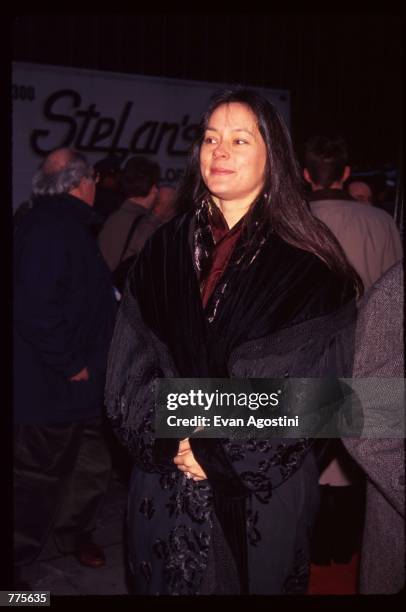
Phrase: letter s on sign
(49,113)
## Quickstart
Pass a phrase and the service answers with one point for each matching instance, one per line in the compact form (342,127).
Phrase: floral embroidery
(254,537)
(191,499)
(184,557)
(147,507)
(146,570)
(298,580)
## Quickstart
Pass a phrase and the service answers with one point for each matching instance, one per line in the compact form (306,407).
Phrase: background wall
(344,70)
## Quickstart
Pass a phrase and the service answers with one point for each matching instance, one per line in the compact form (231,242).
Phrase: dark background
(343,70)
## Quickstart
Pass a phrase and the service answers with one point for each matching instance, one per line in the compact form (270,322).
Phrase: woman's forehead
(235,115)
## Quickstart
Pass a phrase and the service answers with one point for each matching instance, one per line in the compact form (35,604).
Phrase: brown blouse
(224,241)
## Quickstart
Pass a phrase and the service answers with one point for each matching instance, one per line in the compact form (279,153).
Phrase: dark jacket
(64,311)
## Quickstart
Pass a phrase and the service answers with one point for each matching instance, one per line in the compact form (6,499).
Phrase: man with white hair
(64,311)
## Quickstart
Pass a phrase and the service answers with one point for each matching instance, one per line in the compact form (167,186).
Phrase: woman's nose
(220,151)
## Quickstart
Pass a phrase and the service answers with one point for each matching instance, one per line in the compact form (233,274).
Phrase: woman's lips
(221,171)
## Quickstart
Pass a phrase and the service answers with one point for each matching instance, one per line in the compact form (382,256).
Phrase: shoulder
(148,219)
(50,234)
(170,233)
(380,218)
(305,275)
(48,216)
(380,349)
(350,211)
(290,255)
(122,214)
(386,295)
(329,210)
(164,251)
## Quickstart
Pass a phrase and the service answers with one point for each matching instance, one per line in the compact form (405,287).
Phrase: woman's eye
(209,140)
(240,141)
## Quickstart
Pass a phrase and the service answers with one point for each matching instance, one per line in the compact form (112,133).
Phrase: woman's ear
(306,176)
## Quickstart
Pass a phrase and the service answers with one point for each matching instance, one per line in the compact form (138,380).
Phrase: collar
(329,194)
(73,205)
(134,207)
(218,224)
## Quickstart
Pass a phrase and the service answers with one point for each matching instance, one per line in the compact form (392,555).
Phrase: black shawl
(268,286)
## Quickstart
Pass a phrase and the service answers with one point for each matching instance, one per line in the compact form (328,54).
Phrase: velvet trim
(282,287)
(231,514)
(229,497)
(166,287)
(165,450)
(210,454)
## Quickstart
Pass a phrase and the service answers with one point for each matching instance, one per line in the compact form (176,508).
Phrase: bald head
(360,191)
(57,161)
(65,171)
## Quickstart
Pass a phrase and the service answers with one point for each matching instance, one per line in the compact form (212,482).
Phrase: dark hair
(139,176)
(326,159)
(107,165)
(283,193)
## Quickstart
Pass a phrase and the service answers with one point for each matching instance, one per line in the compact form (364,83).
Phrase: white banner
(105,113)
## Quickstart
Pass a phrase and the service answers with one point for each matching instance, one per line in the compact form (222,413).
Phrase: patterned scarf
(247,238)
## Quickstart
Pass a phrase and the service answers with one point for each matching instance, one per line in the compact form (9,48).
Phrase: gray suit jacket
(114,232)
(369,236)
(379,353)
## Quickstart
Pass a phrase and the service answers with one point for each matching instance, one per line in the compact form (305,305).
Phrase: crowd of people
(253,267)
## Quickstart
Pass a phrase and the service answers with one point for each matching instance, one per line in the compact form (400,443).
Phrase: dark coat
(172,519)
(64,311)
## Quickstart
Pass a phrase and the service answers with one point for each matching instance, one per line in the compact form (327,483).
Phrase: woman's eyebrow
(212,129)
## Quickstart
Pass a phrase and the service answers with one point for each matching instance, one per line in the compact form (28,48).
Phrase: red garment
(225,241)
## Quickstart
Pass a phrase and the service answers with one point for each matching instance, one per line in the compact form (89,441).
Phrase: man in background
(360,191)
(64,311)
(140,186)
(368,236)
(165,203)
(109,195)
(371,242)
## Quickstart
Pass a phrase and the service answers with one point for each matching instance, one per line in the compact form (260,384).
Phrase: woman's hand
(82,375)
(187,463)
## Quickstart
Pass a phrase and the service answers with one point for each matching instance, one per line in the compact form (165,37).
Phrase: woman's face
(233,154)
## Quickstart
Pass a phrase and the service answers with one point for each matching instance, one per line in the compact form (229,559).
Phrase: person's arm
(383,461)
(111,240)
(145,228)
(44,285)
(380,354)
(133,367)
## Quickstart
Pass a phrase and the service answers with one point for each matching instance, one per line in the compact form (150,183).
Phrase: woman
(246,283)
